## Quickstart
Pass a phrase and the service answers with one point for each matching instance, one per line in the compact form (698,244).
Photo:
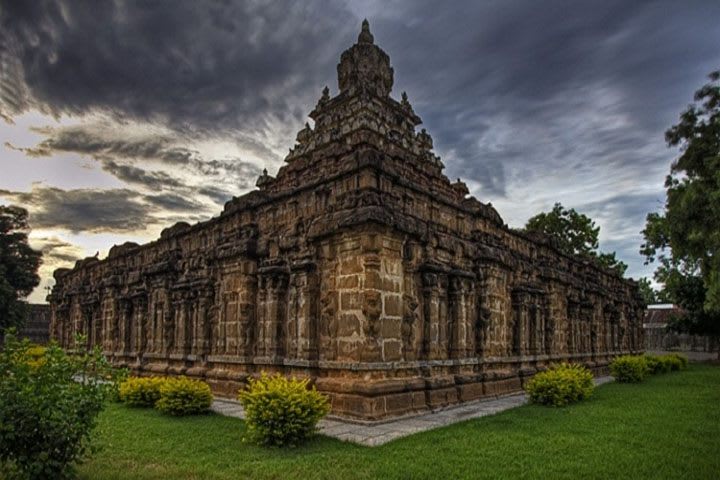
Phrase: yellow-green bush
(282,411)
(657,364)
(560,385)
(182,396)
(666,363)
(629,368)
(677,361)
(141,391)
(35,356)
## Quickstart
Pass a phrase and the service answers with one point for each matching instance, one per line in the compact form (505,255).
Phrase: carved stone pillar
(302,318)
(431,316)
(520,321)
(183,321)
(262,316)
(573,309)
(272,305)
(202,334)
(459,313)
(139,342)
(125,321)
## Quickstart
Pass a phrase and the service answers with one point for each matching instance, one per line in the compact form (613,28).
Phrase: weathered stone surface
(361,266)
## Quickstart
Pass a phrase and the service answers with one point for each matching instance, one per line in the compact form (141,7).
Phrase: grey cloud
(87,140)
(121,156)
(139,176)
(217,195)
(57,251)
(174,203)
(87,210)
(95,211)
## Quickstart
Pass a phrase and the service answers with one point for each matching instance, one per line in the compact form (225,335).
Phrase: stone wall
(359,265)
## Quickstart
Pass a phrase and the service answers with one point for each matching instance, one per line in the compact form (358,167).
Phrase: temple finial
(365,35)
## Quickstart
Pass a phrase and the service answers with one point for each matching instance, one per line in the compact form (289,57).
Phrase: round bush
(282,411)
(560,385)
(141,391)
(629,368)
(182,396)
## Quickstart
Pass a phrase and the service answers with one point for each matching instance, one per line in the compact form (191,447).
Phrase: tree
(575,234)
(648,293)
(685,237)
(18,266)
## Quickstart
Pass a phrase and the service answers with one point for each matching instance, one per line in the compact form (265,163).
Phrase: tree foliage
(18,265)
(648,293)
(575,234)
(685,237)
(49,401)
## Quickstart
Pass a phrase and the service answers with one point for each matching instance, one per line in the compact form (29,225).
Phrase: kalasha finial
(365,35)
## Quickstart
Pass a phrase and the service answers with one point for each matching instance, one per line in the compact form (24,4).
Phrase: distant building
(658,338)
(37,324)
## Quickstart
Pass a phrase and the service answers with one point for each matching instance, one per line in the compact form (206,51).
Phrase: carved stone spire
(365,35)
(365,67)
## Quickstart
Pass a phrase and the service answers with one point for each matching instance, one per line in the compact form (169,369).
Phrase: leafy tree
(18,265)
(648,293)
(575,234)
(685,237)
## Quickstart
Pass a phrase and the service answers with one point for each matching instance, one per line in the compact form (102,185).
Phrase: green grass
(666,427)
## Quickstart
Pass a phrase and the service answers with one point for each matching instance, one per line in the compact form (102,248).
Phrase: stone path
(380,433)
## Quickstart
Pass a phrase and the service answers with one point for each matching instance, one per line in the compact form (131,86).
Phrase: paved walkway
(380,433)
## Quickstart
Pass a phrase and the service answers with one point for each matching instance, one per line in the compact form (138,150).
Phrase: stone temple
(359,265)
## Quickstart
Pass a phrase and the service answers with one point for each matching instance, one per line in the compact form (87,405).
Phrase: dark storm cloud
(191,64)
(96,211)
(540,67)
(532,67)
(512,92)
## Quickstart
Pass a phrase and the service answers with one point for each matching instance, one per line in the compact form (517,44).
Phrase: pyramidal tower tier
(359,265)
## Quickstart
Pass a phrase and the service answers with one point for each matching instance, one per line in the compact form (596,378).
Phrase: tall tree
(648,293)
(575,234)
(18,265)
(685,237)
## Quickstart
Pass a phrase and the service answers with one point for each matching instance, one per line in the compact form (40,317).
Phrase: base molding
(380,394)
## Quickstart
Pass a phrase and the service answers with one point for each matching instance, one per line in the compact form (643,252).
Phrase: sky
(118,119)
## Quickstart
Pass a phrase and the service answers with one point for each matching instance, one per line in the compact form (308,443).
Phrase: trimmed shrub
(560,385)
(629,368)
(182,396)
(674,361)
(656,364)
(141,391)
(282,411)
(49,402)
(665,363)
(678,362)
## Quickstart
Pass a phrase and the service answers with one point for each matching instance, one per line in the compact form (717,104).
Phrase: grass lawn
(666,427)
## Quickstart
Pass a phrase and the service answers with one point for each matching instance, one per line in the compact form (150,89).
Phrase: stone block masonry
(360,266)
